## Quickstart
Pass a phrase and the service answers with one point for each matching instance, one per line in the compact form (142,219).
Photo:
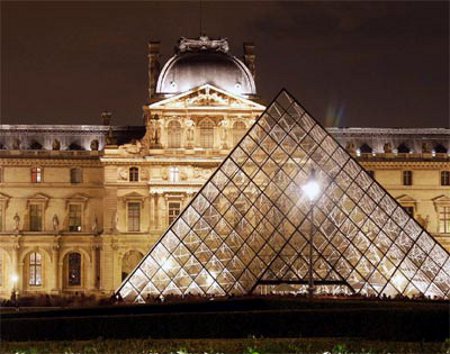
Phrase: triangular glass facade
(248,228)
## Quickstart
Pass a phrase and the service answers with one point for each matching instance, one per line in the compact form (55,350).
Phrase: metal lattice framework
(247,229)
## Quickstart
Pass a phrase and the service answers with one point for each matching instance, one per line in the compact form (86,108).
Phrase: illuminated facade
(249,228)
(81,205)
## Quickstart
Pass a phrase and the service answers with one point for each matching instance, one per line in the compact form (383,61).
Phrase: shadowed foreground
(238,318)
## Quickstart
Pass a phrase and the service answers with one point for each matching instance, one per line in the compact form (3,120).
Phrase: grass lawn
(246,345)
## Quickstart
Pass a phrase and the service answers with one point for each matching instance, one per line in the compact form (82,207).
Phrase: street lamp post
(312,190)
(14,294)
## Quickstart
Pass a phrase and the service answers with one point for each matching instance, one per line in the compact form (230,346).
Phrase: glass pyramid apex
(248,229)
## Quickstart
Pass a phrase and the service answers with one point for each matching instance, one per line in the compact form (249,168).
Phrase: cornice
(391,165)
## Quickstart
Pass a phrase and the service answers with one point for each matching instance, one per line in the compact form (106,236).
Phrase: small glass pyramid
(247,230)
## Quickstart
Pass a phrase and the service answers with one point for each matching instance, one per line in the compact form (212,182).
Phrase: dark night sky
(349,63)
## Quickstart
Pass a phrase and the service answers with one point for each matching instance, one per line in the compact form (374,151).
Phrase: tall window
(206,133)
(174,134)
(134,174)
(36,217)
(174,174)
(444,220)
(134,216)
(76,175)
(407,178)
(35,269)
(238,131)
(74,267)
(174,211)
(74,217)
(36,174)
(445,178)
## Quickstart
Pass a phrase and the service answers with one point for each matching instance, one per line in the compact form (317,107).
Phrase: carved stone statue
(189,123)
(56,145)
(123,174)
(351,148)
(134,147)
(95,226)
(114,221)
(55,222)
(16,219)
(16,144)
(94,145)
(387,148)
(426,148)
(110,139)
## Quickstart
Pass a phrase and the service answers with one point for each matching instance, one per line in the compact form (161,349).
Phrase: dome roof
(205,63)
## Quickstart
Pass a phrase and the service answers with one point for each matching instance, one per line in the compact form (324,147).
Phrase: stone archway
(129,262)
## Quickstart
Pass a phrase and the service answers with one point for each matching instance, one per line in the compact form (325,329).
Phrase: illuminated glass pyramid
(247,229)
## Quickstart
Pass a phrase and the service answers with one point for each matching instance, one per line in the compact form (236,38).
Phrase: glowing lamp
(312,187)
(14,278)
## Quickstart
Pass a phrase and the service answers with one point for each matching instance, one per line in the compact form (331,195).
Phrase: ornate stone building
(81,205)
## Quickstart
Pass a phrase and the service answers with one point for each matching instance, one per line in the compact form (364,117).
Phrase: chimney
(153,67)
(106,118)
(250,57)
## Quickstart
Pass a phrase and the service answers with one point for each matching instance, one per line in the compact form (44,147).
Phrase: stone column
(56,288)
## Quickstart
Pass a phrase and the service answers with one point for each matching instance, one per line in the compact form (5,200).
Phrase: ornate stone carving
(55,222)
(122,174)
(56,145)
(16,144)
(16,219)
(135,147)
(426,148)
(387,148)
(94,145)
(203,43)
(350,147)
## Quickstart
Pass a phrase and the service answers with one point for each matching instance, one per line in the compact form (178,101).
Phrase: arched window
(365,149)
(35,269)
(76,175)
(238,131)
(74,269)
(206,133)
(36,174)
(403,149)
(174,134)
(134,174)
(129,262)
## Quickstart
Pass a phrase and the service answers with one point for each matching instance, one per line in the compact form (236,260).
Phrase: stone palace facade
(81,205)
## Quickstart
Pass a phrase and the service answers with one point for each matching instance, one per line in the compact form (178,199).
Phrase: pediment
(39,197)
(206,97)
(133,195)
(79,197)
(441,200)
(405,199)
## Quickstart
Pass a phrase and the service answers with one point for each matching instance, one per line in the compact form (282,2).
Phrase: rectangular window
(445,178)
(134,174)
(76,175)
(36,175)
(134,216)
(174,174)
(444,220)
(174,211)
(36,217)
(409,210)
(74,217)
(407,178)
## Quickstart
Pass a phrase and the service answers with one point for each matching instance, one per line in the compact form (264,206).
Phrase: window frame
(206,136)
(407,177)
(133,174)
(35,265)
(79,268)
(37,174)
(134,220)
(78,226)
(171,217)
(444,222)
(174,134)
(76,175)
(33,222)
(445,178)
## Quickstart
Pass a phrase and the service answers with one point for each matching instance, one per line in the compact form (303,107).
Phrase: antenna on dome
(201,17)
